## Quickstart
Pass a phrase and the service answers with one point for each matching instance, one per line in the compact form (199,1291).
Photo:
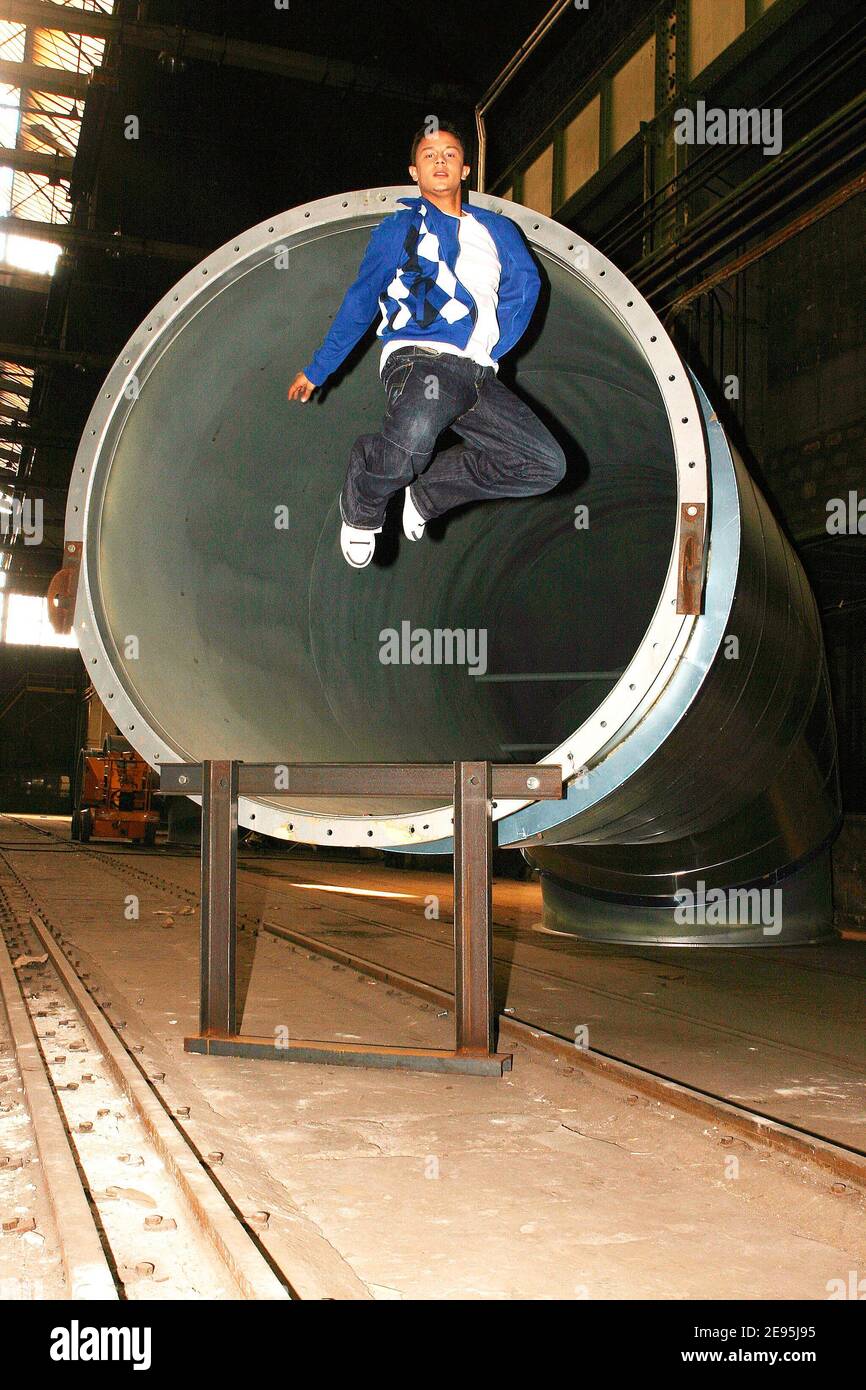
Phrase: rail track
(138,1213)
(562,979)
(842,1162)
(795,958)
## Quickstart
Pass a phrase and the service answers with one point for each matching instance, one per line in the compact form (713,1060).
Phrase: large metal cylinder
(216,616)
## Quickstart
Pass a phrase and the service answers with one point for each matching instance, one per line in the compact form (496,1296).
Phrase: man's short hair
(424,133)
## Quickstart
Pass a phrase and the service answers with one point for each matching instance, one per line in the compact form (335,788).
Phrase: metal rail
(233,1245)
(88,1273)
(89,1257)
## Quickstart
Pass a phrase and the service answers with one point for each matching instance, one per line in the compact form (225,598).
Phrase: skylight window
(24,620)
(42,123)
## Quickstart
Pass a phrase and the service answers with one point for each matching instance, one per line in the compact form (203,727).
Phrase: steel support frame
(474,785)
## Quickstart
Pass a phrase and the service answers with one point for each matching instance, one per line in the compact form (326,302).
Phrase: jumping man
(456,287)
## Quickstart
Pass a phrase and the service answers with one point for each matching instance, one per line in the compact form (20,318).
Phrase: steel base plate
(338,1054)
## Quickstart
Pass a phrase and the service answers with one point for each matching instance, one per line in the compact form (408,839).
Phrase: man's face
(439,166)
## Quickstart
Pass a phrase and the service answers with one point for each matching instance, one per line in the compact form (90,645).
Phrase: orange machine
(114,794)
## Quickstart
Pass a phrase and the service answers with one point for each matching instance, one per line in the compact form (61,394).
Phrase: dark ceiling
(465,41)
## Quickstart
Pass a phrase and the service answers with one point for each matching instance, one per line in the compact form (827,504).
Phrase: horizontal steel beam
(85,239)
(16,387)
(28,281)
(32,435)
(34,77)
(31,586)
(345,1055)
(53,166)
(853,189)
(31,356)
(511,781)
(228,52)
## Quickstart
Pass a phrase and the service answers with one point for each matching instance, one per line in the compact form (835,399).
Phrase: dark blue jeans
(505,452)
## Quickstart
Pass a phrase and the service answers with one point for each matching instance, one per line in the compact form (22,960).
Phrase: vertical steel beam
(219,858)
(473,949)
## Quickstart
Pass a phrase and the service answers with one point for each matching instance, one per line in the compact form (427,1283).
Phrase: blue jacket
(408,272)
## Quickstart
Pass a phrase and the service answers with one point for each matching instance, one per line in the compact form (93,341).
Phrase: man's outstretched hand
(301,388)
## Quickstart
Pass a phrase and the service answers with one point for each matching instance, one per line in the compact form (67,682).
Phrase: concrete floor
(779,1030)
(549,1183)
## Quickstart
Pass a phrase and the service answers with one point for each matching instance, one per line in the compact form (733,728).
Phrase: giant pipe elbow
(216,616)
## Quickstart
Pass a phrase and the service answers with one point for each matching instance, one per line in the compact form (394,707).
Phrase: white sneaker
(413,521)
(357,545)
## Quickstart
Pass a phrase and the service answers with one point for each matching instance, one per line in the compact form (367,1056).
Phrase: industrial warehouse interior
(432,649)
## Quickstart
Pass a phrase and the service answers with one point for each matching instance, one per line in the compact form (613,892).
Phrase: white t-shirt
(477,269)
